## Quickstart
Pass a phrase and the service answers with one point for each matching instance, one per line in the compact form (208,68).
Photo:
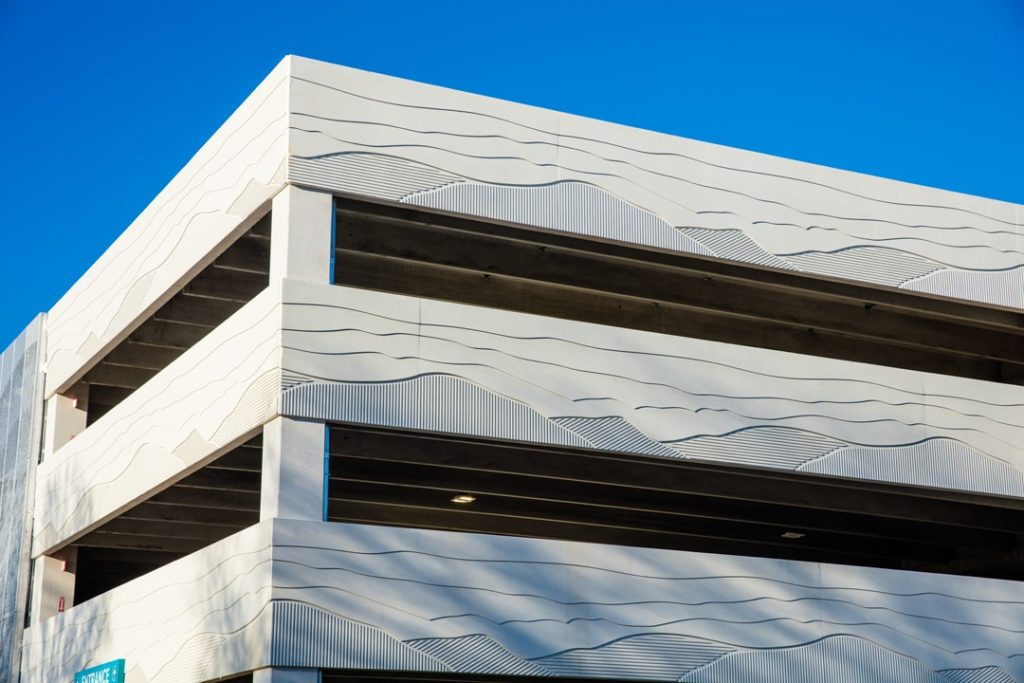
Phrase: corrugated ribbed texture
(1003,288)
(654,656)
(780,447)
(942,463)
(478,654)
(310,637)
(437,403)
(19,376)
(835,658)
(569,206)
(873,264)
(615,434)
(191,663)
(370,174)
(985,674)
(736,245)
(252,407)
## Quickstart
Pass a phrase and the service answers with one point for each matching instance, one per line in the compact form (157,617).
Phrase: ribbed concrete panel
(197,619)
(941,463)
(594,178)
(614,434)
(985,674)
(780,447)
(656,657)
(574,207)
(479,653)
(735,245)
(376,175)
(881,265)
(368,357)
(1003,287)
(437,403)
(208,204)
(224,387)
(833,658)
(20,422)
(307,636)
(513,606)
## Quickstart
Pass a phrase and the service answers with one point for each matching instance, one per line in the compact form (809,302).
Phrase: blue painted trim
(334,226)
(327,467)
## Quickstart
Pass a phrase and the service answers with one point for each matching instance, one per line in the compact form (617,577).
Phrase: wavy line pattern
(483,604)
(176,624)
(780,447)
(743,206)
(436,403)
(224,386)
(985,674)
(187,220)
(941,463)
(574,207)
(304,635)
(480,654)
(874,264)
(330,79)
(833,658)
(655,657)
(313,594)
(376,175)
(734,244)
(1004,288)
(373,358)
(559,207)
(614,434)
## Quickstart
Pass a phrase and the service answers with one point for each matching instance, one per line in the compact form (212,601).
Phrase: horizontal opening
(408,479)
(490,263)
(208,299)
(210,504)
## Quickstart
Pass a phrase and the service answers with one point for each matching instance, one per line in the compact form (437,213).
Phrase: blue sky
(104,101)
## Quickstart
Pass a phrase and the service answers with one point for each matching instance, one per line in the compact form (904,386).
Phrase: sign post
(108,672)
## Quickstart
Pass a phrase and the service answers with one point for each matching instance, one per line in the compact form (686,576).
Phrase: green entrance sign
(108,672)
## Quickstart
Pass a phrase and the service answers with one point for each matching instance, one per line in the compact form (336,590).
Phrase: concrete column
(64,418)
(293,469)
(301,235)
(279,675)
(53,585)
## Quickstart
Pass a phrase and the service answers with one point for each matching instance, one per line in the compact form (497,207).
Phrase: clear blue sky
(104,101)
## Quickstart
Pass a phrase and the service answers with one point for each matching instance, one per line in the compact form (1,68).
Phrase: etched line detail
(439,403)
(570,206)
(377,175)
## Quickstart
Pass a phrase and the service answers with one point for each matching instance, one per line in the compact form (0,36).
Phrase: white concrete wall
(193,620)
(366,134)
(347,595)
(209,203)
(20,427)
(377,597)
(344,595)
(368,357)
(216,393)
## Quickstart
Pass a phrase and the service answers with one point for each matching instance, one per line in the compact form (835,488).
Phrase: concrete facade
(294,594)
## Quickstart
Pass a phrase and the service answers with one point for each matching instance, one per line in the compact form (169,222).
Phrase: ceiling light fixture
(793,535)
(463,499)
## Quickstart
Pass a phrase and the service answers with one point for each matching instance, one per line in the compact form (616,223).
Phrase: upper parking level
(356,134)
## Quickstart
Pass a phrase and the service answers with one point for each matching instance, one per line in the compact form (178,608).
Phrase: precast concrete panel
(20,425)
